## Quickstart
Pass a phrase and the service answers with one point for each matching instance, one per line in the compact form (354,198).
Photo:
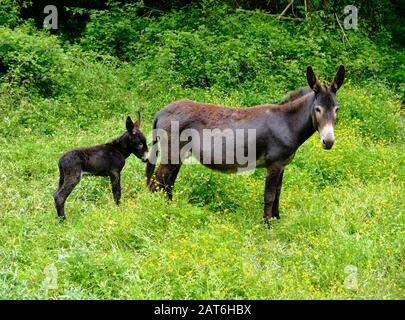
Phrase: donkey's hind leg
(171,180)
(165,178)
(60,196)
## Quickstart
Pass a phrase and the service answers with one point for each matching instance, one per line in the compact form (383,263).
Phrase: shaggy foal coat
(102,160)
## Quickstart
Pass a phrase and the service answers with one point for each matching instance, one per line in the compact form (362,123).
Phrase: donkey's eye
(317,109)
(140,145)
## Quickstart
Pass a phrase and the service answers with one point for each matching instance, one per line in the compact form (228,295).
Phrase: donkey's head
(136,139)
(325,105)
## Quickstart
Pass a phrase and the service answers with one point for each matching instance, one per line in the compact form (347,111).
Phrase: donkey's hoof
(269,220)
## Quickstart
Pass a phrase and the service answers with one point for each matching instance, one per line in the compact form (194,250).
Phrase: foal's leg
(115,177)
(275,210)
(69,183)
(61,178)
(272,181)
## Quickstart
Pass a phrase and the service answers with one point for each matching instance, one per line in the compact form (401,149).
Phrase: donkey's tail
(151,162)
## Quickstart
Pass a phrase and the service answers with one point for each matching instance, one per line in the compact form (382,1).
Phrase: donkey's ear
(137,123)
(313,81)
(130,125)
(339,78)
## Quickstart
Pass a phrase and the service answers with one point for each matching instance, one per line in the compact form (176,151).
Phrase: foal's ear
(138,122)
(313,81)
(338,81)
(130,125)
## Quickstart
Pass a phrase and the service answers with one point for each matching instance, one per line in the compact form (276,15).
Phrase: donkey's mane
(293,95)
(119,140)
(292,101)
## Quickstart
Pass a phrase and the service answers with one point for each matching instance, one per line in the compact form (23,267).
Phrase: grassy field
(341,233)
(339,208)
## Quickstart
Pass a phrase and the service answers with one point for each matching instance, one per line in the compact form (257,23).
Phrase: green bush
(32,59)
(214,46)
(9,12)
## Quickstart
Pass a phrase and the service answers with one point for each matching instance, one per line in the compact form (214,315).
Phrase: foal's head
(136,140)
(325,105)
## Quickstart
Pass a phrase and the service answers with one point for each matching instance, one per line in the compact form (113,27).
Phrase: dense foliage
(75,87)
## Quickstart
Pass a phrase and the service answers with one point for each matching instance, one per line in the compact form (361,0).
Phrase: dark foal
(280,129)
(105,160)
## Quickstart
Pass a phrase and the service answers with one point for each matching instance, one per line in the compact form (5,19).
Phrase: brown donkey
(279,130)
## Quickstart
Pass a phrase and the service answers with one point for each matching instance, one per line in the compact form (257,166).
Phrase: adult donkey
(279,130)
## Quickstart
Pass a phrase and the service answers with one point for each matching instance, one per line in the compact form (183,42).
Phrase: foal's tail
(151,162)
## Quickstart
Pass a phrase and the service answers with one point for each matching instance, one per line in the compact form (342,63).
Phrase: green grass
(339,208)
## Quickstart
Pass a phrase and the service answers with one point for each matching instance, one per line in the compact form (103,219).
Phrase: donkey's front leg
(115,177)
(274,172)
(275,210)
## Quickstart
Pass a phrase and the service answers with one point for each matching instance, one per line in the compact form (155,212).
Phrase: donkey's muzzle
(327,144)
(145,157)
(327,136)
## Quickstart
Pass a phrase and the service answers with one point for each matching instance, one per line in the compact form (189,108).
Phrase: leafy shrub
(31,59)
(212,46)
(9,12)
